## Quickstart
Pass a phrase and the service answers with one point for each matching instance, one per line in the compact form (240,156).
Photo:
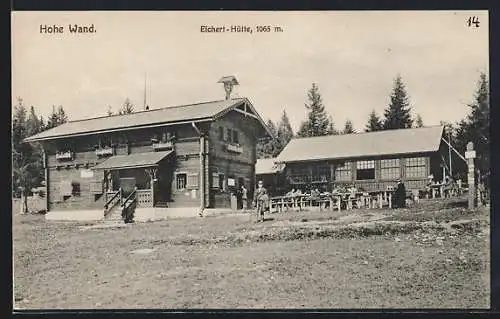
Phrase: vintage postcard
(250,160)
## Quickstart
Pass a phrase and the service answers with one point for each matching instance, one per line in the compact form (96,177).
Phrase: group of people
(261,200)
(449,186)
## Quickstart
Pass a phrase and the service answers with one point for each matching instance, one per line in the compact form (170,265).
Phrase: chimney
(229,82)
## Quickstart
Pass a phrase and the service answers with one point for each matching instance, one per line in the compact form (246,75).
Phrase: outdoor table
(337,198)
(436,187)
(382,196)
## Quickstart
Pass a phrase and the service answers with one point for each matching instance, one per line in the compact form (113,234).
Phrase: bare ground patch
(332,259)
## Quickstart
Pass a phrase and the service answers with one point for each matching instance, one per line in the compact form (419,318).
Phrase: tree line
(28,162)
(27,158)
(397,115)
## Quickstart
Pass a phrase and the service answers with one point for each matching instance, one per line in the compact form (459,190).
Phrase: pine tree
(34,123)
(27,159)
(475,127)
(284,132)
(127,107)
(348,128)
(266,148)
(374,123)
(61,115)
(331,127)
(57,117)
(418,121)
(317,122)
(398,113)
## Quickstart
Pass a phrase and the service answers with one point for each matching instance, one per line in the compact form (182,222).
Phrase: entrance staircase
(118,209)
(114,215)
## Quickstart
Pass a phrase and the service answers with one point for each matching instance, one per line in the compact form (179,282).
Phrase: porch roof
(132,161)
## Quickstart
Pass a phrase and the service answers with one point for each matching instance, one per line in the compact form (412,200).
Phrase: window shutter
(215,180)
(192,181)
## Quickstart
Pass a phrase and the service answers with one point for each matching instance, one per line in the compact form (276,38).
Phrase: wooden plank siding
(186,160)
(83,147)
(231,164)
(189,196)
(378,183)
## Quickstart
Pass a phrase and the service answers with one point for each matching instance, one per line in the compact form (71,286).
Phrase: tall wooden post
(153,178)
(470,154)
(202,172)
(46,173)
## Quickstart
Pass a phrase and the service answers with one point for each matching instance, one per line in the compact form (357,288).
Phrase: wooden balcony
(64,156)
(162,146)
(234,148)
(104,151)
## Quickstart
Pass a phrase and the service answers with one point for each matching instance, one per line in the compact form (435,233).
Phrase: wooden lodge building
(272,175)
(182,156)
(371,161)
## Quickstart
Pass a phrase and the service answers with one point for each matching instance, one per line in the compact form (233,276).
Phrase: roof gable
(162,116)
(267,166)
(380,143)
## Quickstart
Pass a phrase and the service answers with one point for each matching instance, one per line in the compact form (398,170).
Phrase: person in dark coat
(399,195)
(261,201)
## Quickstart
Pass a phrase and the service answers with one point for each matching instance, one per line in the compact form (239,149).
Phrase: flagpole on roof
(144,106)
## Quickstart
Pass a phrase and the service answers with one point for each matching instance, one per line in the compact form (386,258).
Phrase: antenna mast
(145,107)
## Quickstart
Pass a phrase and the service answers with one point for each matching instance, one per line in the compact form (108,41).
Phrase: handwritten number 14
(473,22)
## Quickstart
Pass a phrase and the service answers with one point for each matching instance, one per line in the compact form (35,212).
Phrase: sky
(353,57)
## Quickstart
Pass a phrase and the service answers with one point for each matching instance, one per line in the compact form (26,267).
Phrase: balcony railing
(234,148)
(67,155)
(104,151)
(160,146)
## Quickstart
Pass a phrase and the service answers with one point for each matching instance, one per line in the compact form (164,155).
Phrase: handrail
(118,192)
(128,197)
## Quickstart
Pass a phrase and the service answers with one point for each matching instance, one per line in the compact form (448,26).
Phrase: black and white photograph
(250,159)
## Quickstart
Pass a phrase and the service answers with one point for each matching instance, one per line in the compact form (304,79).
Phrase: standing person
(244,197)
(238,194)
(400,195)
(261,201)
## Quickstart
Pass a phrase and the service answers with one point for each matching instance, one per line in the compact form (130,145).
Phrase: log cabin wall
(235,162)
(73,185)
(367,173)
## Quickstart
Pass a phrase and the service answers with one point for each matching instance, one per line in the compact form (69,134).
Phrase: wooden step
(161,204)
(114,215)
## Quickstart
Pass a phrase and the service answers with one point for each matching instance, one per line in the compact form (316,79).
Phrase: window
(215,180)
(222,182)
(300,174)
(343,172)
(105,140)
(180,181)
(415,167)
(236,138)
(229,135)
(221,133)
(320,173)
(75,189)
(365,170)
(192,181)
(390,169)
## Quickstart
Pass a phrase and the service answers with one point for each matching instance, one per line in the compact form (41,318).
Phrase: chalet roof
(137,160)
(267,166)
(163,116)
(380,143)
